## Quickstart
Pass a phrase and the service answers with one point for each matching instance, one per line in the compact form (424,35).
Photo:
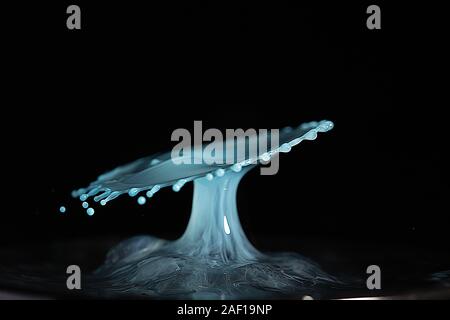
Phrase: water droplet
(177,186)
(152,191)
(209,177)
(236,167)
(220,172)
(103,202)
(83,197)
(133,192)
(330,125)
(141,200)
(324,126)
(226,227)
(90,211)
(85,205)
(62,209)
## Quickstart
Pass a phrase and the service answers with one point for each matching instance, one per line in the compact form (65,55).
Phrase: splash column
(214,230)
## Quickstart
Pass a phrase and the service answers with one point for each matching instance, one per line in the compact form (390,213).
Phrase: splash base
(154,268)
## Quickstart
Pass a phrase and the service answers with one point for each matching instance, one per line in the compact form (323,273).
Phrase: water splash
(213,258)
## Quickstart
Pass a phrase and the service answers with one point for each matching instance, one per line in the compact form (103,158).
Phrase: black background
(79,103)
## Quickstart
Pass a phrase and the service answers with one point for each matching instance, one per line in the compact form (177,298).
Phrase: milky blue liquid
(213,259)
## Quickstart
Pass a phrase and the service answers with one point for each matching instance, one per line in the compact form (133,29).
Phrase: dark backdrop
(83,102)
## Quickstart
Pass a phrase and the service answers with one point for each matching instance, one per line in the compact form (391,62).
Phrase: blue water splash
(213,258)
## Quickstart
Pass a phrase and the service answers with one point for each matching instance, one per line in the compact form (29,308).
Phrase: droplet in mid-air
(62,209)
(141,200)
